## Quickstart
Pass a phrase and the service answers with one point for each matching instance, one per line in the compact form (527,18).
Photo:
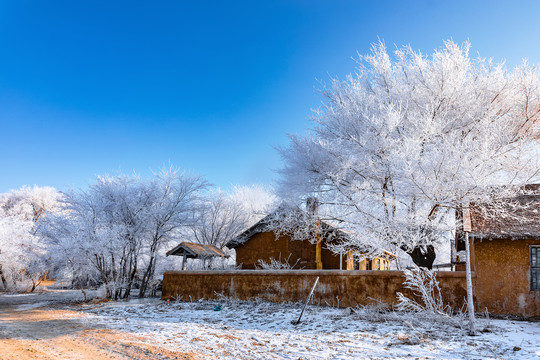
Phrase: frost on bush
(274,264)
(424,284)
(427,306)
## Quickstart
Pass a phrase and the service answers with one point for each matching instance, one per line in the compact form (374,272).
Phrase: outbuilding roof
(195,251)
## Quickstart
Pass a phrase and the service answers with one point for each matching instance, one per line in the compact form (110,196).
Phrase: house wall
(305,251)
(249,253)
(502,283)
(330,259)
(264,245)
(335,288)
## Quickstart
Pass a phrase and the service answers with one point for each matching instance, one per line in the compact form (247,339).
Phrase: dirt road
(43,327)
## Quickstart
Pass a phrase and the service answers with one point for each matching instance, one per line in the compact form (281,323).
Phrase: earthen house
(262,244)
(505,258)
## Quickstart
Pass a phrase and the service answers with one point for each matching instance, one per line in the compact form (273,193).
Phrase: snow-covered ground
(262,330)
(246,330)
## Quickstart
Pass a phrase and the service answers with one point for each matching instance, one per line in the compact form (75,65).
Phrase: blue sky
(94,87)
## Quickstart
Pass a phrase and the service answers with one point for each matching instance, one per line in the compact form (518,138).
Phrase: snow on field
(262,330)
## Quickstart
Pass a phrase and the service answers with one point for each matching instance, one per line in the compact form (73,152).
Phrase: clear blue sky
(93,87)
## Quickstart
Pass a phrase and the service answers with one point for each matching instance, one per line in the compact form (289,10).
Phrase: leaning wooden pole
(307,302)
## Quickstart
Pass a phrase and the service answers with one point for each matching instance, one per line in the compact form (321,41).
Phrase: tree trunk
(84,294)
(131,278)
(4,282)
(422,256)
(148,274)
(36,283)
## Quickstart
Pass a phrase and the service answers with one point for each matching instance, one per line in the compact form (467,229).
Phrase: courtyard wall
(343,288)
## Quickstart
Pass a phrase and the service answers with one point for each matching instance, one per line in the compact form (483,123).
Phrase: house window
(535,267)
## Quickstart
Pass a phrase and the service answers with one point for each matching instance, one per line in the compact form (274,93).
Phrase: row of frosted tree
(114,234)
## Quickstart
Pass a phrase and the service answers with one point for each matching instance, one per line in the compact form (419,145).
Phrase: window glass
(535,267)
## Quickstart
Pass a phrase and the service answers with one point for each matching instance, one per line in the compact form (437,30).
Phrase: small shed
(195,251)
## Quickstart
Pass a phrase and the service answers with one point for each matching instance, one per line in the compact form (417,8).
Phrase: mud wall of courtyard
(335,288)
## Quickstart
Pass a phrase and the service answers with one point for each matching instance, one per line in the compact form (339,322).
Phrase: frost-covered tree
(174,201)
(256,200)
(115,232)
(409,140)
(21,251)
(218,220)
(401,145)
(99,235)
(222,216)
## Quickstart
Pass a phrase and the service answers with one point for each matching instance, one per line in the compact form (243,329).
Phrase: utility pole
(467,228)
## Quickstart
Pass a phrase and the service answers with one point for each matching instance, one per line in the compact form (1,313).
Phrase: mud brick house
(505,257)
(261,243)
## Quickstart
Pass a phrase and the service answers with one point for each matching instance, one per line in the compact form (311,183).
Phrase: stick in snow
(307,301)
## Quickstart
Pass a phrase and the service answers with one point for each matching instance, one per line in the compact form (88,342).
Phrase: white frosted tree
(21,251)
(174,200)
(219,219)
(115,232)
(221,216)
(256,201)
(399,147)
(99,234)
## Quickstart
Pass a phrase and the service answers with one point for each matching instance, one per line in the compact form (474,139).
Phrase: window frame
(535,267)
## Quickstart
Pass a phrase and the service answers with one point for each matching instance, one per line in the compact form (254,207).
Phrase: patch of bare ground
(47,333)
